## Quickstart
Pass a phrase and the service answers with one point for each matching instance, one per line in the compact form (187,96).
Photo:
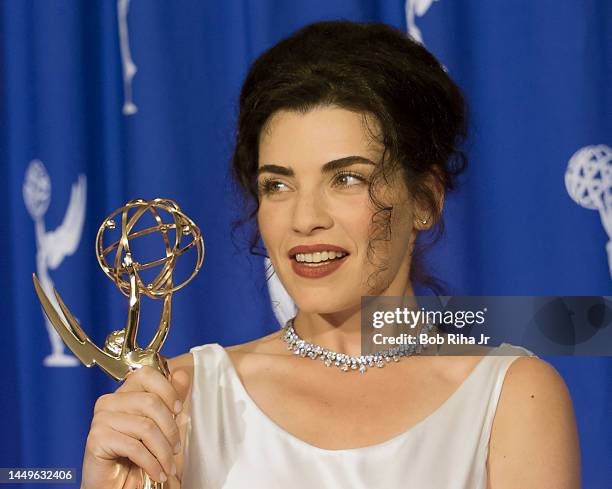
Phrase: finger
(150,380)
(145,430)
(142,404)
(120,445)
(172,483)
(134,478)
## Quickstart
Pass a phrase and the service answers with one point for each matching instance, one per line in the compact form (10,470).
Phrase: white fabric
(232,444)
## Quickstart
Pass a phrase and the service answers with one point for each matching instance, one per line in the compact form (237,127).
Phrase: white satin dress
(232,444)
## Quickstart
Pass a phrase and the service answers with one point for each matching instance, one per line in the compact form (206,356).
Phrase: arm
(534,439)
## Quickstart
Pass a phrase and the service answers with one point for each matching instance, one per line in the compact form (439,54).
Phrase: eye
(344,179)
(270,186)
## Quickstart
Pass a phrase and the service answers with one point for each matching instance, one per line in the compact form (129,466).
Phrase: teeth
(319,256)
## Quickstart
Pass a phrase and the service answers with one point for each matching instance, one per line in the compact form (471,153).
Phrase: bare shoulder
(181,362)
(181,371)
(534,439)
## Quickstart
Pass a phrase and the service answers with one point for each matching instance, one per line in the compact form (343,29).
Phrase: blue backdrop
(80,136)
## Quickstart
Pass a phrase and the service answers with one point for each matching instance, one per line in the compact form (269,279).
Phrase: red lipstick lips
(309,270)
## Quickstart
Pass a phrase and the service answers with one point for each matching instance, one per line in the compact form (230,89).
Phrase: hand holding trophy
(122,354)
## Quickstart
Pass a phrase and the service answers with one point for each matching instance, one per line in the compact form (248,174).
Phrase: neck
(338,331)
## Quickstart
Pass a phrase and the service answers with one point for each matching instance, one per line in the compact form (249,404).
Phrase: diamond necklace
(348,362)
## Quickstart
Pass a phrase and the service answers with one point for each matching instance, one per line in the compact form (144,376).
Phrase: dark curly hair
(373,69)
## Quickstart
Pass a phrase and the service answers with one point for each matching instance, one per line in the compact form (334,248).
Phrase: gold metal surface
(122,354)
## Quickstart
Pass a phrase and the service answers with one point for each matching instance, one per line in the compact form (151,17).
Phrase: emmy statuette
(121,353)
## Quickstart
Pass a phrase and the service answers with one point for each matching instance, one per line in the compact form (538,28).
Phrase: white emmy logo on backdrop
(588,180)
(283,306)
(129,68)
(53,246)
(414,9)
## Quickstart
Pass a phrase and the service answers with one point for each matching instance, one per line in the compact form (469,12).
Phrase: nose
(310,212)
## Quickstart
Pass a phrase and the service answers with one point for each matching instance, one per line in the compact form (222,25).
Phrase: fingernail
(177,448)
(178,406)
(162,477)
(173,469)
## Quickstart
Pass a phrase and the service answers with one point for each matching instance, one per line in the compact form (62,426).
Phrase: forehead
(322,134)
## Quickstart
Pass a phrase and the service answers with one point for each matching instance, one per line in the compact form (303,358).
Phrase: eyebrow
(328,167)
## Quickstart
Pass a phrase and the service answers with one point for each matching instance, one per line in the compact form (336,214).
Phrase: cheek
(356,224)
(361,228)
(273,226)
(355,217)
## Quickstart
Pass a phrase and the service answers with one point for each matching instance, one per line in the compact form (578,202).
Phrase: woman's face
(314,170)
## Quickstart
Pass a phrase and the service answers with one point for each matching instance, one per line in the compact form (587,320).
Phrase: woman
(347,142)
